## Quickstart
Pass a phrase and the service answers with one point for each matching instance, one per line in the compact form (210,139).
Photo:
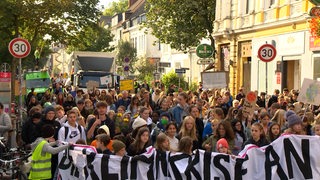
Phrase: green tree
(146,70)
(173,78)
(181,23)
(126,50)
(94,38)
(116,7)
(34,19)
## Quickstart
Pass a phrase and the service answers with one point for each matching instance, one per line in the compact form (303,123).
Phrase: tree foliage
(146,70)
(62,20)
(126,49)
(181,23)
(94,38)
(116,7)
(173,78)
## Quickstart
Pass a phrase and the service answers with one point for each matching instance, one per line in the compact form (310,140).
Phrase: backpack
(66,130)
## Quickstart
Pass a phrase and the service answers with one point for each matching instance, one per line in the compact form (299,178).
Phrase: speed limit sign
(267,53)
(19,48)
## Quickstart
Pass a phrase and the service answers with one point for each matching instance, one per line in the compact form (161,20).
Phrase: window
(143,18)
(316,69)
(248,5)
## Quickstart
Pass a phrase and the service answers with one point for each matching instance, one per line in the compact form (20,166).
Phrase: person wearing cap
(294,123)
(103,130)
(101,119)
(31,129)
(49,119)
(119,148)
(222,146)
(42,150)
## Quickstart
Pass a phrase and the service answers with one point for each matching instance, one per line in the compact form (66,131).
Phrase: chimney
(131,2)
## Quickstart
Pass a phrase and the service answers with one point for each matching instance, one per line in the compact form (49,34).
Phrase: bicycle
(13,165)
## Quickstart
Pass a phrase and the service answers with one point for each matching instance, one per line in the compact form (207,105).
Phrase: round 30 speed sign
(19,48)
(267,53)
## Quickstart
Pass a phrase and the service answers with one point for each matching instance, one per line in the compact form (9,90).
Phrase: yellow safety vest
(40,165)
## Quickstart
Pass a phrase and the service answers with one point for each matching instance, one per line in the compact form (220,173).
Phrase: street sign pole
(19,48)
(266,77)
(267,53)
(20,91)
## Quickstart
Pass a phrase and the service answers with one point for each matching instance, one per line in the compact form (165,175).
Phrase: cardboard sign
(310,92)
(126,85)
(92,84)
(249,104)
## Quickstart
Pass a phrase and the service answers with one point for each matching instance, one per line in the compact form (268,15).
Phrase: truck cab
(93,70)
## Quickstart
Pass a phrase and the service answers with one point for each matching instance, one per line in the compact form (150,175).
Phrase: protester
(31,129)
(273,132)
(186,145)
(60,114)
(102,119)
(188,128)
(140,143)
(160,127)
(265,120)
(162,142)
(102,141)
(103,130)
(294,123)
(5,123)
(171,131)
(279,117)
(258,136)
(223,146)
(240,136)
(42,150)
(119,148)
(71,131)
(316,128)
(223,130)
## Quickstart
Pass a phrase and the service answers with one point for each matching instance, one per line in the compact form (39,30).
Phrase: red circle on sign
(251,96)
(267,53)
(19,51)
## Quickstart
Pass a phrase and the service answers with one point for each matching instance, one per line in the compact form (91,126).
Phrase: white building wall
(290,46)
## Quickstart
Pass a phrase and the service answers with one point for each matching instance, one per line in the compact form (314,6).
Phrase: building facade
(242,26)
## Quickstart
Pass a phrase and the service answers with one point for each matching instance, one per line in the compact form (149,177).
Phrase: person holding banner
(258,136)
(141,142)
(42,151)
(294,123)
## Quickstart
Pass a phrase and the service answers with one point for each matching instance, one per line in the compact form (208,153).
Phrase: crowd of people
(169,120)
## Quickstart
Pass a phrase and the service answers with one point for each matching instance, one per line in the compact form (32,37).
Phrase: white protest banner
(289,157)
(310,92)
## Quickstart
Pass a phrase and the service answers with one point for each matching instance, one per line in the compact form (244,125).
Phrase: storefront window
(316,69)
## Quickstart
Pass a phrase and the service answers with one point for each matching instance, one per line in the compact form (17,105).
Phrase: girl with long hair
(188,128)
(141,142)
(224,130)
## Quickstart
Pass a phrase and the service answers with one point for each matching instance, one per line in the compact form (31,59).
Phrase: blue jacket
(178,113)
(207,131)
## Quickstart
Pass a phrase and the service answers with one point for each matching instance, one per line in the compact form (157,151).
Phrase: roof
(94,61)
(136,9)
